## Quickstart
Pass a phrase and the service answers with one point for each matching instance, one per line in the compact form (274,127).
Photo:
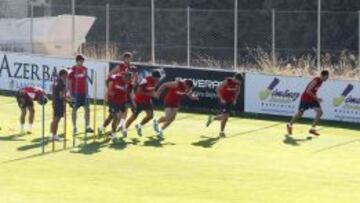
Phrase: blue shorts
(226,108)
(142,107)
(59,109)
(79,100)
(116,108)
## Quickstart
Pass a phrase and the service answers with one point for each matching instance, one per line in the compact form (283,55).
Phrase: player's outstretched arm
(237,93)
(192,95)
(164,86)
(218,91)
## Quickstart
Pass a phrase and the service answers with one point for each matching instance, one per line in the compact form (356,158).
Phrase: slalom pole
(87,103)
(75,104)
(95,97)
(52,140)
(104,101)
(65,116)
(43,119)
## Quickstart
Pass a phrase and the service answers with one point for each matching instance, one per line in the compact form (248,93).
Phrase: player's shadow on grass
(156,142)
(121,144)
(294,141)
(14,137)
(37,143)
(207,142)
(91,148)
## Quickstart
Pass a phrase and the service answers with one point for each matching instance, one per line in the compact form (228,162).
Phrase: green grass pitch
(255,163)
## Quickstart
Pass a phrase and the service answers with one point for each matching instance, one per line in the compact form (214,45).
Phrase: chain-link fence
(268,40)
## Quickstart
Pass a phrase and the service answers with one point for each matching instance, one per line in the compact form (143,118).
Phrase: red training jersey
(122,67)
(147,85)
(33,93)
(78,80)
(119,89)
(228,90)
(174,95)
(317,84)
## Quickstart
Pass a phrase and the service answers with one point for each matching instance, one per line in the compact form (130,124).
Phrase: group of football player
(125,90)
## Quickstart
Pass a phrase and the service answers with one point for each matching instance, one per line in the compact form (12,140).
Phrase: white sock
(89,126)
(121,123)
(139,125)
(22,127)
(30,127)
(313,128)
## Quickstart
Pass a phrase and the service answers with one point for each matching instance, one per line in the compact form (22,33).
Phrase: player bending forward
(25,98)
(310,100)
(117,96)
(176,90)
(228,93)
(59,98)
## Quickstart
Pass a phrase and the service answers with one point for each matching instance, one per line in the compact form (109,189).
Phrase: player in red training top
(79,92)
(228,93)
(117,97)
(143,102)
(25,98)
(176,90)
(131,94)
(310,100)
(124,65)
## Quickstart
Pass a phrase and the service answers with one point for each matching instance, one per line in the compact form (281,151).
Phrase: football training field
(255,163)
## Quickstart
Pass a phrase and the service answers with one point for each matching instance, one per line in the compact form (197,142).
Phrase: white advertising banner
(280,95)
(20,70)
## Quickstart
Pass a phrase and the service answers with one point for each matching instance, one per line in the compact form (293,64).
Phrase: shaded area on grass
(208,142)
(295,141)
(156,142)
(13,137)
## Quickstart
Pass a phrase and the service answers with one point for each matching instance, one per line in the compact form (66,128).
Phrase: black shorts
(142,107)
(116,108)
(59,109)
(28,102)
(226,108)
(79,100)
(308,105)
(168,105)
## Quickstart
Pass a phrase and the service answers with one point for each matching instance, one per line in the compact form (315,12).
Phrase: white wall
(283,98)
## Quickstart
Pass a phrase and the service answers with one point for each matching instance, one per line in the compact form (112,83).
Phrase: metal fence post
(73,27)
(107,30)
(318,53)
(273,20)
(235,33)
(188,36)
(153,31)
(358,45)
(32,27)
